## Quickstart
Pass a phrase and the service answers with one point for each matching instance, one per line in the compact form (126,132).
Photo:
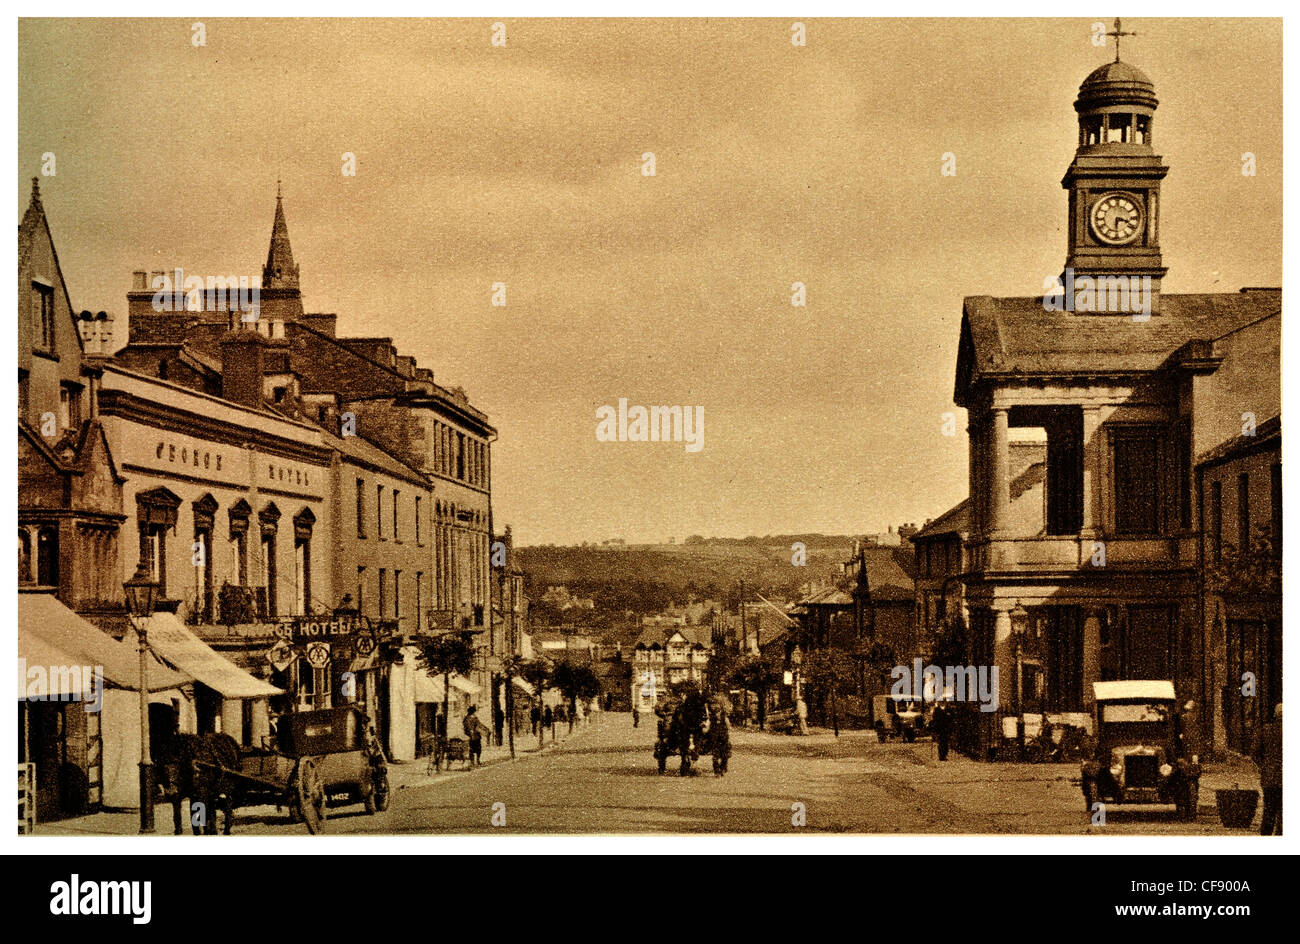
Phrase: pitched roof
(1266,433)
(1018,337)
(659,635)
(956,520)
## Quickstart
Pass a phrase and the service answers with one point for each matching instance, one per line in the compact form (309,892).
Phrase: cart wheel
(376,794)
(309,795)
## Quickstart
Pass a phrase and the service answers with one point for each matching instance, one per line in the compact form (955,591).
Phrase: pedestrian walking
(499,723)
(636,716)
(548,717)
(474,731)
(534,717)
(1268,755)
(1189,731)
(942,723)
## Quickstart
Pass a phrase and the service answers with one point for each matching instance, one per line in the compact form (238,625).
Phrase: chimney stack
(242,355)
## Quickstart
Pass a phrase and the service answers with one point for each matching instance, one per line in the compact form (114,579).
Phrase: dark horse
(193,766)
(688,730)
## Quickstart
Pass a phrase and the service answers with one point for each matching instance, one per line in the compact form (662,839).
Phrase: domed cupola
(1116,105)
(1114,186)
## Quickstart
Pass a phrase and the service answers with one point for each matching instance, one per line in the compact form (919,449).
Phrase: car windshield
(1128,712)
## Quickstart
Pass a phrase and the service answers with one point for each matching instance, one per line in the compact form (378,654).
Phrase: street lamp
(141,590)
(1019,627)
(800,709)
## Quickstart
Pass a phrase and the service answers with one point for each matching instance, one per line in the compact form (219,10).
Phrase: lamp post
(140,592)
(800,709)
(1019,626)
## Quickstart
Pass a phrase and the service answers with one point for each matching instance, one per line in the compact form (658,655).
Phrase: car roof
(1115,691)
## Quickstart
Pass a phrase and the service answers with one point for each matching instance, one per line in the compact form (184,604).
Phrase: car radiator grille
(1140,771)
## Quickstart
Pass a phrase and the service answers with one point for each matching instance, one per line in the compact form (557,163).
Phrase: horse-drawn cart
(320,758)
(691,727)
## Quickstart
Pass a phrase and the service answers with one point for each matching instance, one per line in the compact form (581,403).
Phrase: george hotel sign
(316,629)
(342,637)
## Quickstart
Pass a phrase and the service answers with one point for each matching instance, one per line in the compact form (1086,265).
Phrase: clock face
(1116,218)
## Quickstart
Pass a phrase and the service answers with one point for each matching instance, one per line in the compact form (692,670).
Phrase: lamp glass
(140,590)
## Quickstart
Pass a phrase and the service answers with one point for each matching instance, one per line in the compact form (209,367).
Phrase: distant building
(664,655)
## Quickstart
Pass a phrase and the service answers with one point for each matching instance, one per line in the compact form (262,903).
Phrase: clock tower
(1114,181)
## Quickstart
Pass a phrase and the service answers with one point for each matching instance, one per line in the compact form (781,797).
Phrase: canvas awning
(429,688)
(524,686)
(464,685)
(49,631)
(177,645)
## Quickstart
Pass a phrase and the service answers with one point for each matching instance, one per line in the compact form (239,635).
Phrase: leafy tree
(540,674)
(1253,571)
(574,682)
(951,643)
(758,674)
(829,671)
(880,660)
(444,654)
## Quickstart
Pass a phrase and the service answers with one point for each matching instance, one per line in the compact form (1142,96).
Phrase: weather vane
(1117,33)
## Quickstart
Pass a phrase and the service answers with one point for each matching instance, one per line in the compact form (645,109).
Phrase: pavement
(603,779)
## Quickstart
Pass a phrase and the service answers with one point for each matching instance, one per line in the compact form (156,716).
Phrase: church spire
(280,271)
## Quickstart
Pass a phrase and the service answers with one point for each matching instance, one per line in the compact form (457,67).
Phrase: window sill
(48,355)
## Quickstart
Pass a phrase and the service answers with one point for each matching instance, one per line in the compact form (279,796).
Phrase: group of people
(549,717)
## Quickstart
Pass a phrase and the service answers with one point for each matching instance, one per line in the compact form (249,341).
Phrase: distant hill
(647,578)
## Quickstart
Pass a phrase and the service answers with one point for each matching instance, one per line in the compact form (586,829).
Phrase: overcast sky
(774,164)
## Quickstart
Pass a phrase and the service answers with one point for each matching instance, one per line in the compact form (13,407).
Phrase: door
(1150,638)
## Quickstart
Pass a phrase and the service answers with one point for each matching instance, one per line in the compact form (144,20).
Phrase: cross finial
(1117,33)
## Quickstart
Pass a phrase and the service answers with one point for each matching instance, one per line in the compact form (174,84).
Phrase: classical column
(999,479)
(1004,661)
(232,718)
(1091,473)
(261,726)
(1092,618)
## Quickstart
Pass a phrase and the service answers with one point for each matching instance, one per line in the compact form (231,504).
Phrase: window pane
(1135,483)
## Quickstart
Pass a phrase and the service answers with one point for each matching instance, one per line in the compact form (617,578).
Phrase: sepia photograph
(674,427)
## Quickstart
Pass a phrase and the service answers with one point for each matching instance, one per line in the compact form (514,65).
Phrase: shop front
(79,709)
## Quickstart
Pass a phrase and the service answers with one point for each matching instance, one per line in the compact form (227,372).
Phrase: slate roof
(956,520)
(1265,435)
(1011,337)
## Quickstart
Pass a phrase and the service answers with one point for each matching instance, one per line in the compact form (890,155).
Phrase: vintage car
(1136,752)
(899,716)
